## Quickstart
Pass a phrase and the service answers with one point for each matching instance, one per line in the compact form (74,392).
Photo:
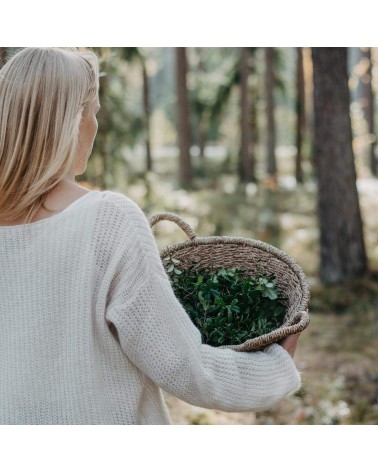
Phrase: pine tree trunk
(185,169)
(309,103)
(245,162)
(101,178)
(253,134)
(342,248)
(201,137)
(146,111)
(300,108)
(202,119)
(271,130)
(369,108)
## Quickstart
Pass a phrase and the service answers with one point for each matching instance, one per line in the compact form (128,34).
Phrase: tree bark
(342,248)
(245,161)
(301,118)
(271,130)
(202,135)
(369,108)
(201,138)
(146,111)
(185,168)
(253,134)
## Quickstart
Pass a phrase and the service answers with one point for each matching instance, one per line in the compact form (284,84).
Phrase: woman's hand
(290,343)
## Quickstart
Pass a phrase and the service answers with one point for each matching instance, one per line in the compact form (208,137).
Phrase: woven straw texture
(214,252)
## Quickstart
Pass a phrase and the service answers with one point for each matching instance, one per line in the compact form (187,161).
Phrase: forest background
(275,144)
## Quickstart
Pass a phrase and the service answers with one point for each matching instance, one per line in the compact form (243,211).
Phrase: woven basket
(222,251)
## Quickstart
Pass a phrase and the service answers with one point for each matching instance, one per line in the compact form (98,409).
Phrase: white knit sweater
(90,329)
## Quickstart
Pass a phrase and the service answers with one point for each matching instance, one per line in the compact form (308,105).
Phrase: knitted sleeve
(159,338)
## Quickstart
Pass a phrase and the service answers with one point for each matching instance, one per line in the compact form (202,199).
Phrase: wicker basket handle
(176,219)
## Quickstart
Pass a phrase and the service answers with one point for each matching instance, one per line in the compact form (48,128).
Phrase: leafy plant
(226,305)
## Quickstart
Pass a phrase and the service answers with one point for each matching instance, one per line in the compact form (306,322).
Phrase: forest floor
(337,353)
(337,358)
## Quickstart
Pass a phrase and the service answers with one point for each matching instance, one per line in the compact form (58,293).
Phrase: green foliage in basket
(227,306)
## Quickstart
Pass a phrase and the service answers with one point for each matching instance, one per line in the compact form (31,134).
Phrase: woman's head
(46,96)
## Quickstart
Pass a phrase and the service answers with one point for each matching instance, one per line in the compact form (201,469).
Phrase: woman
(90,327)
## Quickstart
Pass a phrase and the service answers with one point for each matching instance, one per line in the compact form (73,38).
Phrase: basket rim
(241,241)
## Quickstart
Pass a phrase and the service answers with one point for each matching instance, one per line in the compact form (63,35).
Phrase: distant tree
(183,127)
(3,55)
(301,115)
(246,170)
(200,102)
(135,54)
(271,128)
(342,247)
(98,169)
(147,113)
(237,76)
(369,107)
(254,134)
(120,126)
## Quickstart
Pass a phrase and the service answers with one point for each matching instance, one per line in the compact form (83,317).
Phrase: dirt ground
(337,358)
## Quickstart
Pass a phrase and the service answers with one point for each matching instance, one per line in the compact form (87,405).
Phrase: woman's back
(59,362)
(90,329)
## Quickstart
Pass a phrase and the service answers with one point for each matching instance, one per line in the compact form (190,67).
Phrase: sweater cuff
(288,365)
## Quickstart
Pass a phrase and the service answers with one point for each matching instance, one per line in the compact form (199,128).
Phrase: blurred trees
(241,77)
(184,138)
(369,105)
(250,102)
(121,121)
(364,104)
(135,54)
(342,246)
(246,168)
(200,97)
(301,116)
(270,125)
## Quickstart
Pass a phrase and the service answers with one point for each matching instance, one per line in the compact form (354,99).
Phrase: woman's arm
(158,336)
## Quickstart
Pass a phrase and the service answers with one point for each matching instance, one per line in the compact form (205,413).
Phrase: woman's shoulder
(116,198)
(118,210)
(119,203)
(124,223)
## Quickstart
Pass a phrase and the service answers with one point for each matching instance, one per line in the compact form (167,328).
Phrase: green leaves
(227,305)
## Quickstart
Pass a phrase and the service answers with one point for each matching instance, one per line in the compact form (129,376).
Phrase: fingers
(290,343)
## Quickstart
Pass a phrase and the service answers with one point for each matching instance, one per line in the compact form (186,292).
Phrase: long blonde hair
(43,94)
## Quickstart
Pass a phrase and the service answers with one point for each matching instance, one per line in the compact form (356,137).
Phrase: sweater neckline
(72,206)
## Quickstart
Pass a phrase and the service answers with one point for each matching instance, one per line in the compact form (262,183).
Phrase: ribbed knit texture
(91,331)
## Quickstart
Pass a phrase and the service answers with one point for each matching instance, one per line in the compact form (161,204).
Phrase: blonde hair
(43,94)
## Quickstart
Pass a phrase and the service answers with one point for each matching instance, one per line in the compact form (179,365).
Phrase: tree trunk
(300,108)
(245,168)
(342,248)
(3,54)
(369,108)
(309,104)
(202,135)
(146,111)
(185,169)
(271,131)
(253,135)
